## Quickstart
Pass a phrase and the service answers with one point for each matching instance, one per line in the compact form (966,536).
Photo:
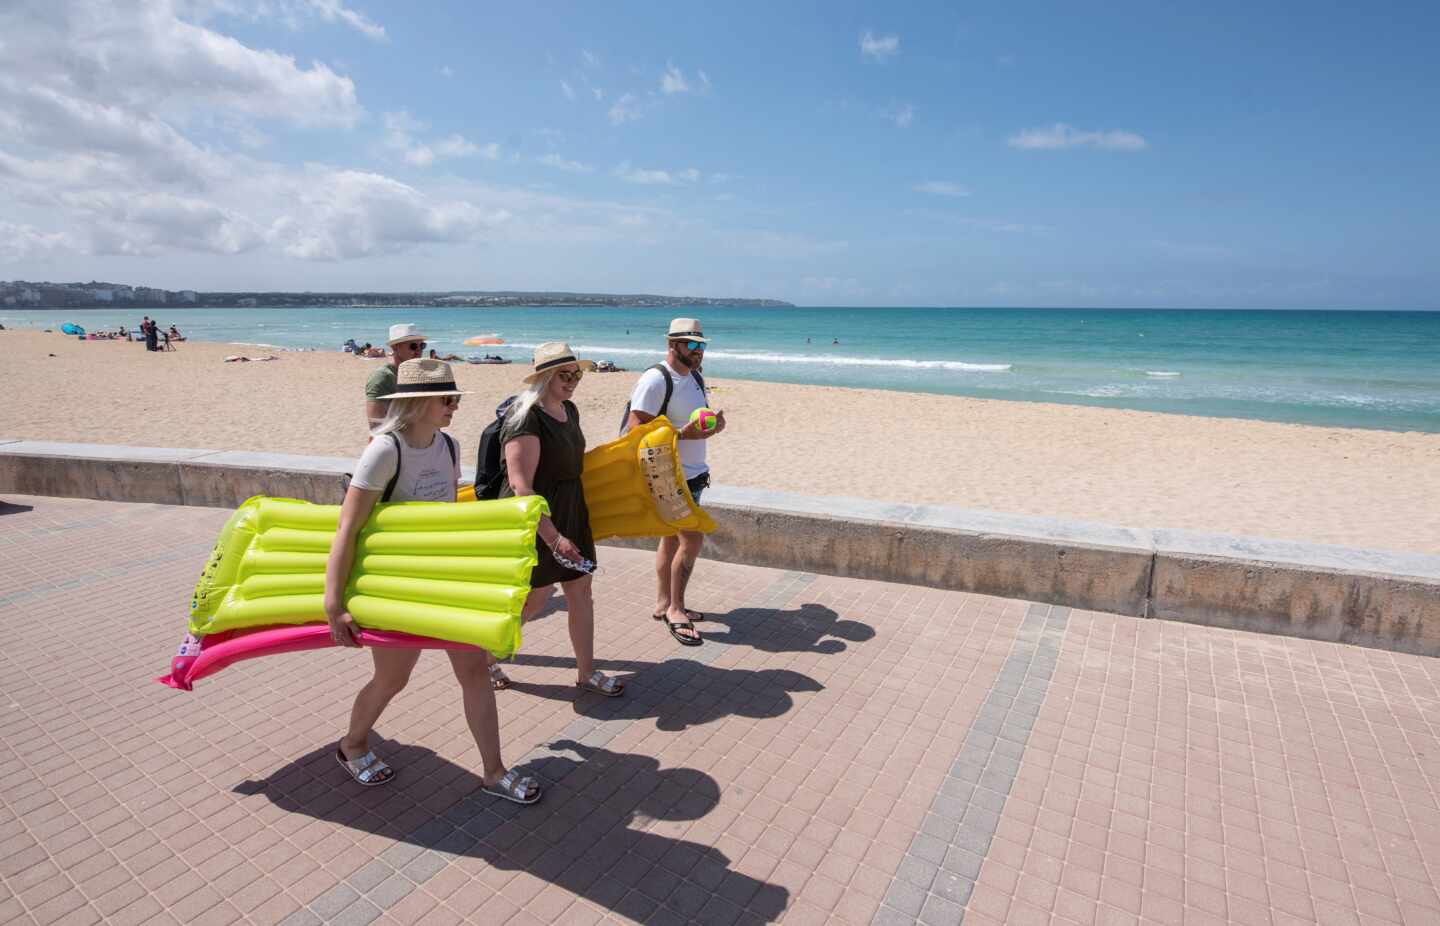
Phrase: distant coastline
(100,295)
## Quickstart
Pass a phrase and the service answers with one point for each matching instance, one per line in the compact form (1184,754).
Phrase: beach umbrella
(484,339)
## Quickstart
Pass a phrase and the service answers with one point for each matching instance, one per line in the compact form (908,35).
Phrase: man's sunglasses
(569,376)
(694,345)
(416,346)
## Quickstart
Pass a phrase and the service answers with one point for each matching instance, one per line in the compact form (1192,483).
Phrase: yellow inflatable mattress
(456,572)
(635,486)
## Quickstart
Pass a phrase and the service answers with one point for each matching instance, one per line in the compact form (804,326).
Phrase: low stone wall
(1368,597)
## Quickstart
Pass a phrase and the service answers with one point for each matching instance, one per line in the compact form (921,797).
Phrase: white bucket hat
(421,377)
(404,332)
(554,354)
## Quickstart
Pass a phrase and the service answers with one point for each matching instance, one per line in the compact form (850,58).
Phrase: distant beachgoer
(424,463)
(152,338)
(675,389)
(836,341)
(807,340)
(544,451)
(175,334)
(168,345)
(406,343)
(433,354)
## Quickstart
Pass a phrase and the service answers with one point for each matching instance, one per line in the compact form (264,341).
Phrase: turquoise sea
(1352,369)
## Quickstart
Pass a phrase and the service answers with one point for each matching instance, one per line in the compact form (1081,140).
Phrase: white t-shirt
(427,474)
(650,392)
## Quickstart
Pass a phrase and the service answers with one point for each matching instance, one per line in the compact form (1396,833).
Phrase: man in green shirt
(406,343)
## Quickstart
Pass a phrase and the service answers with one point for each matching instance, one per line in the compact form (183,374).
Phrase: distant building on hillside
(150,294)
(189,295)
(103,295)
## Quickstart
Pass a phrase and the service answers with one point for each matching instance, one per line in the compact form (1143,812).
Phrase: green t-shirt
(381,382)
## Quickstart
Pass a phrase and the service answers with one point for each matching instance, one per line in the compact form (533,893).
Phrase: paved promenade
(839,751)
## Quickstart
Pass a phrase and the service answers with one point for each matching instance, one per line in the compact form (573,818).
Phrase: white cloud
(293,14)
(399,136)
(941,188)
(879,47)
(1060,135)
(141,60)
(902,114)
(25,242)
(589,59)
(625,109)
(704,81)
(347,214)
(568,90)
(98,156)
(650,177)
(673,81)
(334,10)
(447,71)
(554,160)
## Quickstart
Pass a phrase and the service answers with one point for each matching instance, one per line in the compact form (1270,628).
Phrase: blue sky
(1030,154)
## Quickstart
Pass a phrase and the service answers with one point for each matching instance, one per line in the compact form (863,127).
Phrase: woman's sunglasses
(570,376)
(451,400)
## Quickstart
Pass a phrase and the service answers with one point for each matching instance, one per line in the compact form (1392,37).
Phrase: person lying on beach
(544,451)
(424,464)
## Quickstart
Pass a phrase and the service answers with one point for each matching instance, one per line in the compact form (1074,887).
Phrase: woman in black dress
(544,452)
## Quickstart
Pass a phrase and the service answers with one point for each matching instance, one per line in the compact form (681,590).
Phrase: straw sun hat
(554,354)
(686,329)
(421,377)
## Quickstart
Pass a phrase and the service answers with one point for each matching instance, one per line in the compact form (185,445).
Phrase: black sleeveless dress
(557,479)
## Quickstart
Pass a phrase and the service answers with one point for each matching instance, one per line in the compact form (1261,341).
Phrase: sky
(1123,154)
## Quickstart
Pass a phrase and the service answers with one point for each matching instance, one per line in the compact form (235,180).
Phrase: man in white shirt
(674,389)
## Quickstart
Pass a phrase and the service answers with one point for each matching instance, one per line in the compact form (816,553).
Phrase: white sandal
(513,787)
(602,684)
(367,769)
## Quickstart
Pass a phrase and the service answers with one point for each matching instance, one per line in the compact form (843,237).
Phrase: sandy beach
(1329,485)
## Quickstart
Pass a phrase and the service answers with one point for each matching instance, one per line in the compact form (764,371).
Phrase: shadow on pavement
(11,508)
(678,693)
(582,835)
(810,628)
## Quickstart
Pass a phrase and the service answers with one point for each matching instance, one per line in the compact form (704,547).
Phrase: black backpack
(669,391)
(490,465)
(399,454)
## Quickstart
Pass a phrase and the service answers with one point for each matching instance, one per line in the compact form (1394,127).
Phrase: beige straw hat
(554,354)
(421,377)
(685,329)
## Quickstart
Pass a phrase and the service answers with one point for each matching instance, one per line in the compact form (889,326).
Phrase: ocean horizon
(1342,368)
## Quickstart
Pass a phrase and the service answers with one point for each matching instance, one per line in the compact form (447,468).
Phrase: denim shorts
(697,485)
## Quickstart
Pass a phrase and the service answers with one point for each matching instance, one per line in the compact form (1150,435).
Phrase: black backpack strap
(700,381)
(450,446)
(669,388)
(399,458)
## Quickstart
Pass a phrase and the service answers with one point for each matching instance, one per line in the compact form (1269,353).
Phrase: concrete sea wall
(1368,597)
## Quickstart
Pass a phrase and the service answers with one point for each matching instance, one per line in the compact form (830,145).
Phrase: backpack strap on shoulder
(399,458)
(450,446)
(669,388)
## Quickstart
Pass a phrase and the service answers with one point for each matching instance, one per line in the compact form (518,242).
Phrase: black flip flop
(684,625)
